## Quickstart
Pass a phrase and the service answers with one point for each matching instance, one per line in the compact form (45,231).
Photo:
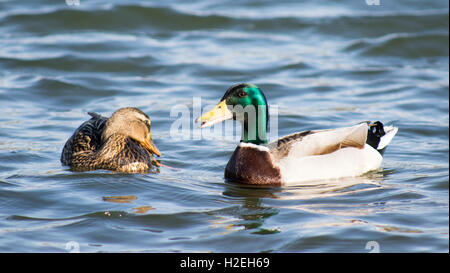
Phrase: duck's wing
(319,142)
(87,137)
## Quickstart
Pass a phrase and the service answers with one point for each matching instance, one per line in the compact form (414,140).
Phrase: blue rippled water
(323,64)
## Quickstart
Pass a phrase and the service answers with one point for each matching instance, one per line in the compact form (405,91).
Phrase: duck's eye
(242,94)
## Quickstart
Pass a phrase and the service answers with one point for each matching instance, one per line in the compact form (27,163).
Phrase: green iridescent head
(247,104)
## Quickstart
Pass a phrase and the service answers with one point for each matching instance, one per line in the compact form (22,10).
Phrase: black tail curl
(376,132)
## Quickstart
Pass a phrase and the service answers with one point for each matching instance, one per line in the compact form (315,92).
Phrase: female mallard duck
(120,143)
(303,156)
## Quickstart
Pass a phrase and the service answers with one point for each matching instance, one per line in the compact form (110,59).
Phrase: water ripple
(323,64)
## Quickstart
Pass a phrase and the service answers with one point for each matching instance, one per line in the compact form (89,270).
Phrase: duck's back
(325,154)
(303,156)
(86,138)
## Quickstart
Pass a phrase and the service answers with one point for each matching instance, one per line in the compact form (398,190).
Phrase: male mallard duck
(303,156)
(120,143)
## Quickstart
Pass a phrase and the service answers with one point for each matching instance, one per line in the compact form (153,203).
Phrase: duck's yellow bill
(216,115)
(150,146)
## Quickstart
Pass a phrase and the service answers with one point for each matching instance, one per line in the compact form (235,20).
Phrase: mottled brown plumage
(120,143)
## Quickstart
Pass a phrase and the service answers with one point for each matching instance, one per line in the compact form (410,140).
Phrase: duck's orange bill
(150,146)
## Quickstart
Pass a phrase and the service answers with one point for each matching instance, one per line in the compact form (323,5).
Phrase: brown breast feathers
(251,166)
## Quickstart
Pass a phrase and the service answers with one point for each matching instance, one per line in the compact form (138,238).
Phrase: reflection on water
(142,209)
(324,64)
(253,211)
(311,189)
(120,199)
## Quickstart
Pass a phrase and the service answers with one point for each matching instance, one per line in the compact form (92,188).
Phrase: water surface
(323,64)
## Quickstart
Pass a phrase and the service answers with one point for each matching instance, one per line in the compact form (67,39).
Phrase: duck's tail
(95,115)
(380,136)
